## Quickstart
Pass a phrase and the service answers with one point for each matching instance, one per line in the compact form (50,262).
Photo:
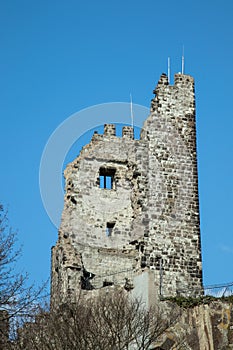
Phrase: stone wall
(172,208)
(131,206)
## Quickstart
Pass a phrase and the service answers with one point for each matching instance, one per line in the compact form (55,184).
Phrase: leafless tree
(112,320)
(17,299)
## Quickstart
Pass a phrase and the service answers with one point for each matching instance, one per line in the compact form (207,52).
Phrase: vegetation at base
(112,320)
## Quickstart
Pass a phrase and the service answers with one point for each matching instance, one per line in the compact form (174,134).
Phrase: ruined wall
(88,207)
(85,245)
(147,222)
(172,207)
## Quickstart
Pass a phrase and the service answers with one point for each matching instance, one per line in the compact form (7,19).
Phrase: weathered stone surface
(148,222)
(204,327)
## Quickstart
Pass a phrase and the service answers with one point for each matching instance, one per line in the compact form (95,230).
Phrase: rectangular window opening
(109,228)
(106,178)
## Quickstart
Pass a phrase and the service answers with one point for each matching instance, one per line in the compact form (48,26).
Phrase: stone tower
(131,211)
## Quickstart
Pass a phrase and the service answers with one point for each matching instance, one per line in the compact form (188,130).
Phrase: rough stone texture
(148,222)
(204,327)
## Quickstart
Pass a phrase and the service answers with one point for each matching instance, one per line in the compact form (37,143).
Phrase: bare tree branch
(112,320)
(17,298)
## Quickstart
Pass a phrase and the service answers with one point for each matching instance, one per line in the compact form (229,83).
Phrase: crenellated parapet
(171,97)
(128,132)
(109,130)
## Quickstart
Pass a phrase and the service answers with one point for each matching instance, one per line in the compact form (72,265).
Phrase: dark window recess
(107,283)
(106,178)
(73,200)
(109,228)
(143,261)
(85,280)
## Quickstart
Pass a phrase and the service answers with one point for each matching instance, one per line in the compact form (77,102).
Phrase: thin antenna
(182,69)
(168,69)
(131,111)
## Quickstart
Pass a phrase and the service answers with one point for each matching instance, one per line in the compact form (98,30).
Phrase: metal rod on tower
(168,69)
(131,111)
(182,69)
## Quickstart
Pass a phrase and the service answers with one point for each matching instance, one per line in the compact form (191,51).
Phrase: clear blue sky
(58,57)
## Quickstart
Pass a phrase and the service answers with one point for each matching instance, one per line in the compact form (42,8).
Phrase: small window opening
(106,178)
(109,228)
(107,283)
(85,280)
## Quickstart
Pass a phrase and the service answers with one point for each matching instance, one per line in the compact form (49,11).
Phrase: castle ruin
(131,208)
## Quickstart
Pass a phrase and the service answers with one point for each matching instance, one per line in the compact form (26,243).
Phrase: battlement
(163,81)
(180,81)
(178,98)
(109,130)
(184,81)
(128,132)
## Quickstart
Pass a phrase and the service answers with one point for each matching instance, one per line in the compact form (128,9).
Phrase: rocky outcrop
(203,327)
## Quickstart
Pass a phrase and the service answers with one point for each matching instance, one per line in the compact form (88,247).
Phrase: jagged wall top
(180,80)
(110,131)
(179,94)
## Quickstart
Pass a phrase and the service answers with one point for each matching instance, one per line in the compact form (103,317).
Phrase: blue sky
(58,57)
